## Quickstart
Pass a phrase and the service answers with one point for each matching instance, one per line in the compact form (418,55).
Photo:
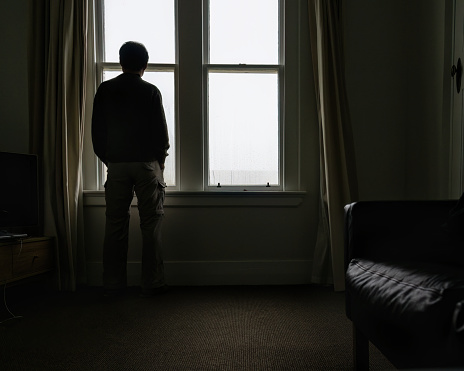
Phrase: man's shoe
(148,293)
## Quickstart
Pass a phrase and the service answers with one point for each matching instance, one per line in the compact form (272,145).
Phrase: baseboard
(209,273)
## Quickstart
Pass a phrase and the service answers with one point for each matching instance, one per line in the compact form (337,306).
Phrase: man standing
(130,137)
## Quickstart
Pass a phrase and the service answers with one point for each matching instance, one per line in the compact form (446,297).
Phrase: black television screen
(19,200)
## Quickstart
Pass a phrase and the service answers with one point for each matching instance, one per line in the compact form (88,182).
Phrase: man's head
(133,56)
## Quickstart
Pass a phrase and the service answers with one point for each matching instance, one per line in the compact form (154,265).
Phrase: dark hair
(133,56)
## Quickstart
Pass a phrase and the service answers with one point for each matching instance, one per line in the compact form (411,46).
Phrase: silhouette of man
(130,137)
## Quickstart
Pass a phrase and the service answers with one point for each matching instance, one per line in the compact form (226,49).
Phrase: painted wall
(14,119)
(395,76)
(395,69)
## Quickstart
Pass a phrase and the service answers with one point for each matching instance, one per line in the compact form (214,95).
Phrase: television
(19,195)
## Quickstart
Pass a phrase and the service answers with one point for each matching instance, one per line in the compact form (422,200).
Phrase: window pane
(243,128)
(165,83)
(150,22)
(244,31)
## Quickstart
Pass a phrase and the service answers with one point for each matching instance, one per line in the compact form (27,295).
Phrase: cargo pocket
(160,197)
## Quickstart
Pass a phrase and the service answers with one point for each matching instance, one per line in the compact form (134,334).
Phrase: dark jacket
(128,121)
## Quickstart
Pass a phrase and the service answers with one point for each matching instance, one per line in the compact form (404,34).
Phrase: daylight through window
(242,77)
(243,93)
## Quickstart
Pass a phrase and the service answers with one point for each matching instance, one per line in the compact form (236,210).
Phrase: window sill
(216,199)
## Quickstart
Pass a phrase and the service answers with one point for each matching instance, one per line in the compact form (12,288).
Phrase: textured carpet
(188,328)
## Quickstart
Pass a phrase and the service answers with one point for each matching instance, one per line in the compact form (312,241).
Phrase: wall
(394,55)
(220,244)
(14,120)
(395,76)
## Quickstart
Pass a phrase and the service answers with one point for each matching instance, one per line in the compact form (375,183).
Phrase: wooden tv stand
(25,258)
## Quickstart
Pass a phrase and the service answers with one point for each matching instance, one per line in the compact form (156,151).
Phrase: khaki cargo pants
(146,180)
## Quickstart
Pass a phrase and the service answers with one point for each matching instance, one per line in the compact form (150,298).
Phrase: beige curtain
(57,69)
(337,164)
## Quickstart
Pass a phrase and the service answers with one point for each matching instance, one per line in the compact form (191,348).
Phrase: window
(123,20)
(243,128)
(237,99)
(243,74)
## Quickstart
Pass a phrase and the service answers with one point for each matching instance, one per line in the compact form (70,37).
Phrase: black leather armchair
(405,282)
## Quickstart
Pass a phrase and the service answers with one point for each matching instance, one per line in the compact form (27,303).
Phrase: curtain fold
(58,44)
(338,178)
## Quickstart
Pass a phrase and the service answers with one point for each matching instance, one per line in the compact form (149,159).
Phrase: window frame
(190,126)
(244,68)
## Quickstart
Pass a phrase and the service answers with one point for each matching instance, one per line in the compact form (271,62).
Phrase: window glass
(242,78)
(243,102)
(243,128)
(244,31)
(150,22)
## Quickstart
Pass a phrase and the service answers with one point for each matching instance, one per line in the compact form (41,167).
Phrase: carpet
(188,328)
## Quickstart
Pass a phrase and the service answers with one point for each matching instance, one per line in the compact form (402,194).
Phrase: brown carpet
(188,328)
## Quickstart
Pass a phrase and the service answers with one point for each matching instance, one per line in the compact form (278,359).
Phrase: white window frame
(190,123)
(244,68)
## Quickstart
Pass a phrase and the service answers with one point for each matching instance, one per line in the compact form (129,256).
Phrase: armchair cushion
(405,279)
(414,311)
